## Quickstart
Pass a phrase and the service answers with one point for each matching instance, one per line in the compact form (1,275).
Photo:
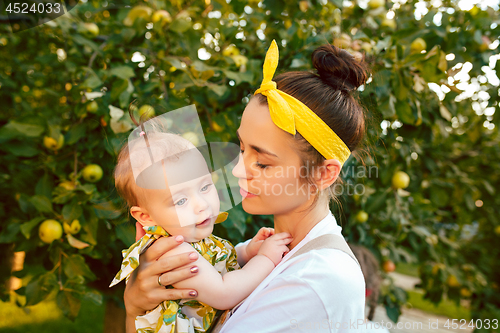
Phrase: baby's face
(187,207)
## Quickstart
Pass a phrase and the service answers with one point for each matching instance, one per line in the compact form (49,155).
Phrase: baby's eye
(205,188)
(181,202)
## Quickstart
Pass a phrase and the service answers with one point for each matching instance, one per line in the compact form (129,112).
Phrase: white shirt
(318,291)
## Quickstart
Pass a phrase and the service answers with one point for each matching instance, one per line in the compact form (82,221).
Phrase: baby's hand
(254,245)
(275,246)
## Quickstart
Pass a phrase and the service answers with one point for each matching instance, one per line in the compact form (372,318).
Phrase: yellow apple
(400,180)
(389,23)
(161,16)
(72,228)
(140,11)
(49,231)
(191,137)
(231,50)
(92,173)
(418,45)
(91,28)
(52,144)
(362,216)
(146,111)
(373,4)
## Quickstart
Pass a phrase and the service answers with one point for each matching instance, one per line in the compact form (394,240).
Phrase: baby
(174,194)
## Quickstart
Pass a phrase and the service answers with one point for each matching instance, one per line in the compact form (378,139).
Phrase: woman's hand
(143,291)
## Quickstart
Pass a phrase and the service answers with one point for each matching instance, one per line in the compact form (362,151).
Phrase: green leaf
(22,149)
(123,72)
(393,312)
(219,90)
(75,265)
(26,227)
(404,112)
(39,288)
(69,304)
(44,186)
(180,25)
(75,133)
(94,296)
(106,210)
(41,203)
(14,128)
(126,233)
(84,41)
(72,211)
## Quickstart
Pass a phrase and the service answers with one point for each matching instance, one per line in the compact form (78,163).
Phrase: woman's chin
(255,208)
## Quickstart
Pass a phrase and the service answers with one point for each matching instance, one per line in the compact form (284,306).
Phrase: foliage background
(433,115)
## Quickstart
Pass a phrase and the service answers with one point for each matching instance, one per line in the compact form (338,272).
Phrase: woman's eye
(262,166)
(181,202)
(205,188)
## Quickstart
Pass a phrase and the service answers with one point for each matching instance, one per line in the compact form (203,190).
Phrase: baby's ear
(142,216)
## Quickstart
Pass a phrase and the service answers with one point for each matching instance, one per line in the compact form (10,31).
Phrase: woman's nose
(239,170)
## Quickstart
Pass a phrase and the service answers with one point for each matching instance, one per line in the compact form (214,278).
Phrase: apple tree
(423,190)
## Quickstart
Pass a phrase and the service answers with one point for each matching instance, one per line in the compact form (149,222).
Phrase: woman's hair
(160,146)
(329,93)
(371,273)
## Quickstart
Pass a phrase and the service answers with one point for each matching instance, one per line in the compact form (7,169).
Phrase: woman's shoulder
(325,266)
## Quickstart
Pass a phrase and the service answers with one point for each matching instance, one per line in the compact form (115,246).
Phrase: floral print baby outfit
(180,316)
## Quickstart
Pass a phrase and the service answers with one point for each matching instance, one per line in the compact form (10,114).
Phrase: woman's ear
(142,216)
(327,173)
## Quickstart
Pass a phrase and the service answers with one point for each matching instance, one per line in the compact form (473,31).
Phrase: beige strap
(327,241)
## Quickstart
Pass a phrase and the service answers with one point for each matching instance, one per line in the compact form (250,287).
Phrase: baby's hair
(159,146)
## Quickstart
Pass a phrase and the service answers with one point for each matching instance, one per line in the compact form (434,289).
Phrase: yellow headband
(288,113)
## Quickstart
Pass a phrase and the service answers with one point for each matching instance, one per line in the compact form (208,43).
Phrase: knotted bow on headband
(291,115)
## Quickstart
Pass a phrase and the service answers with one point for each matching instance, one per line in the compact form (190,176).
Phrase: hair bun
(338,68)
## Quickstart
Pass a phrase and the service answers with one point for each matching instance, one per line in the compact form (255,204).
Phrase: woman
(295,135)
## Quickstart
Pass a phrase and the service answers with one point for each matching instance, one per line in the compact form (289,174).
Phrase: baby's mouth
(204,222)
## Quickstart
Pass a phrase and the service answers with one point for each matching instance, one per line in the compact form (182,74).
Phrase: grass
(446,308)
(46,317)
(407,269)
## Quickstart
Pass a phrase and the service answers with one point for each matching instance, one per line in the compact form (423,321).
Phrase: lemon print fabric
(181,315)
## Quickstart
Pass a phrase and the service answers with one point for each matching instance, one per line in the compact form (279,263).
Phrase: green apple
(49,231)
(92,107)
(92,173)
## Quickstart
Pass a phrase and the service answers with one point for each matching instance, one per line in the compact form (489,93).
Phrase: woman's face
(269,169)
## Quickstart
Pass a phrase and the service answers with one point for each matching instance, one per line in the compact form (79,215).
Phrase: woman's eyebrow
(258,149)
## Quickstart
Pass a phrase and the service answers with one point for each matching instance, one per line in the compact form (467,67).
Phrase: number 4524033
(40,8)
(478,323)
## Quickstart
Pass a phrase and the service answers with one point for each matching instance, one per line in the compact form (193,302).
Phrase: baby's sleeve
(131,258)
(232,262)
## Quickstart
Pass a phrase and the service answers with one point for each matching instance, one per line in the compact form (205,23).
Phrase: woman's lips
(246,194)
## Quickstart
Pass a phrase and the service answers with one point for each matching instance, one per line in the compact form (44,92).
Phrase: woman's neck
(300,221)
